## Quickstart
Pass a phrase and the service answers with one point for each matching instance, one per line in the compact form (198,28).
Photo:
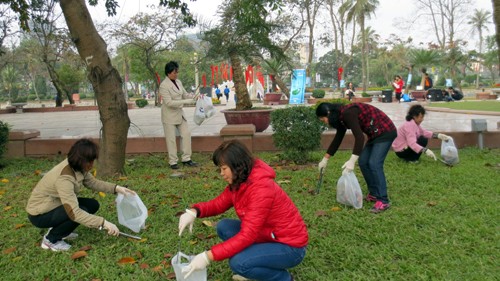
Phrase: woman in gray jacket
(54,203)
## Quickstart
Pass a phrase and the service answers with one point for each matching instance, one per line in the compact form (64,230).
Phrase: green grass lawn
(443,223)
(470,105)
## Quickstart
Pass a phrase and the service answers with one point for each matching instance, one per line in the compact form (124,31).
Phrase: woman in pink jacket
(270,235)
(412,139)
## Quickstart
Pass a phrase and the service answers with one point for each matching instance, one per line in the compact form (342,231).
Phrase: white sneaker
(56,247)
(71,236)
(237,277)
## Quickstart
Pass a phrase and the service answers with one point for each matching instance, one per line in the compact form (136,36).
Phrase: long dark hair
(330,110)
(415,110)
(81,153)
(237,157)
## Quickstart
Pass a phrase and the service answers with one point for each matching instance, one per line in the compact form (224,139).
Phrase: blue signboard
(298,86)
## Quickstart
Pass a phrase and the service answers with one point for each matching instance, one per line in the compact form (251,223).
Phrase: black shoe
(190,163)
(174,167)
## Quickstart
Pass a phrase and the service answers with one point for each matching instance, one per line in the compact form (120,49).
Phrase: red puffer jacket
(266,212)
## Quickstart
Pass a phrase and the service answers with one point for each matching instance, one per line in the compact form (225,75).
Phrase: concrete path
(145,122)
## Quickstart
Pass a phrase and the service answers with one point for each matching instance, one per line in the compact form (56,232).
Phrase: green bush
(141,103)
(341,101)
(83,96)
(4,138)
(297,131)
(318,93)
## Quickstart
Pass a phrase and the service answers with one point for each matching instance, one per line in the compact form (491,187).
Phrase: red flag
(157,77)
(339,74)
(204,80)
(231,73)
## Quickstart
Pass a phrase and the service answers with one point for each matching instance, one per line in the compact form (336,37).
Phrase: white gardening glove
(111,228)
(199,262)
(322,164)
(349,165)
(186,219)
(443,137)
(429,153)
(123,190)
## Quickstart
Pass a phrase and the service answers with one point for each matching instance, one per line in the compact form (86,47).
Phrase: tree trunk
(55,82)
(106,83)
(282,86)
(241,91)
(496,19)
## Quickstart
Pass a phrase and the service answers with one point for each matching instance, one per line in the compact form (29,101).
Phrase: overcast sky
(392,16)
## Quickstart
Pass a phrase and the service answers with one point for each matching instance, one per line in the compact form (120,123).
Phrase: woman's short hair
(414,111)
(237,157)
(171,66)
(81,153)
(330,110)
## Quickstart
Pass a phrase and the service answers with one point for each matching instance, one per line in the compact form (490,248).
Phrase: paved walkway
(145,122)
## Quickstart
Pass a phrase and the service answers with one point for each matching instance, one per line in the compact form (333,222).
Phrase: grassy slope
(443,224)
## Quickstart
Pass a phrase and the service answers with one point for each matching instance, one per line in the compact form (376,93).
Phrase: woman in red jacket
(270,235)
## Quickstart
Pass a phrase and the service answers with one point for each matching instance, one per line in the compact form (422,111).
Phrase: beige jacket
(173,100)
(60,187)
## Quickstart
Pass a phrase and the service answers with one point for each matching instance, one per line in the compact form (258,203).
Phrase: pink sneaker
(380,207)
(370,198)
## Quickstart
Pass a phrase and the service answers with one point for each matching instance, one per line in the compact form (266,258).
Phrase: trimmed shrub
(297,131)
(318,93)
(4,138)
(141,103)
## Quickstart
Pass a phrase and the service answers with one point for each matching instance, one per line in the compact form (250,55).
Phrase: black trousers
(58,219)
(409,155)
(398,97)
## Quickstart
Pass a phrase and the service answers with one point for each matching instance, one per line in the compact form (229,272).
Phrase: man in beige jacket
(174,97)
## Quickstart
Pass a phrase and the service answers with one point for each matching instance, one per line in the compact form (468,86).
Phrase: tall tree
(105,79)
(496,18)
(359,11)
(152,34)
(479,21)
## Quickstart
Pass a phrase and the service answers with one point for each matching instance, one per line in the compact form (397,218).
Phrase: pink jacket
(408,134)
(266,212)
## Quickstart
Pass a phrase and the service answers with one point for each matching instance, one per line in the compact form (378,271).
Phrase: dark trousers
(58,219)
(398,97)
(409,155)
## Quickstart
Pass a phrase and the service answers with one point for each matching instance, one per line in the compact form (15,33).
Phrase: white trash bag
(449,152)
(349,191)
(181,261)
(204,109)
(132,213)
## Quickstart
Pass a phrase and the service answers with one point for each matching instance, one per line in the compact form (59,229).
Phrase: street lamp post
(196,81)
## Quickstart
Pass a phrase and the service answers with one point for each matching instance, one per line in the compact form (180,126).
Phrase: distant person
(349,91)
(218,92)
(54,202)
(174,97)
(269,236)
(412,139)
(428,84)
(451,94)
(226,93)
(398,84)
(362,119)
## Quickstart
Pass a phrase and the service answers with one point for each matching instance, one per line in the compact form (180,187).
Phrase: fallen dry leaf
(171,276)
(432,204)
(168,255)
(320,213)
(192,242)
(283,182)
(2,192)
(126,260)
(86,248)
(102,194)
(78,255)
(5,180)
(9,250)
(7,208)
(336,209)
(144,265)
(208,223)
(19,225)
(157,268)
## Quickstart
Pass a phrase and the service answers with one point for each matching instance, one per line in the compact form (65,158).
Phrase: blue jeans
(371,163)
(261,261)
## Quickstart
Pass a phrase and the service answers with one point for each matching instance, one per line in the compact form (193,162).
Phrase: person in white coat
(174,97)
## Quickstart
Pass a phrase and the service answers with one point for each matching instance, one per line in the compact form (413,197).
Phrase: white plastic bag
(132,213)
(349,191)
(449,152)
(204,109)
(178,265)
(199,112)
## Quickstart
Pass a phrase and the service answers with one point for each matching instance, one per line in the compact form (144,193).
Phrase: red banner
(204,80)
